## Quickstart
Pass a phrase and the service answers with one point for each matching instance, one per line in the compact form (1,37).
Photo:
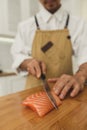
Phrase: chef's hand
(34,67)
(65,83)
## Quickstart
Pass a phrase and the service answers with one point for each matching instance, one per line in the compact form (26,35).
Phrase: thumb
(53,80)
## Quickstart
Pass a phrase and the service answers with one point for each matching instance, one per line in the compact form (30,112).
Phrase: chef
(46,42)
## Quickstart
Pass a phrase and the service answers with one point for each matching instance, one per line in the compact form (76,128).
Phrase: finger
(37,69)
(43,67)
(67,87)
(60,85)
(53,80)
(31,70)
(75,91)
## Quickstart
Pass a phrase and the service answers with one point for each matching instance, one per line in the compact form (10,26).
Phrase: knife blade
(48,91)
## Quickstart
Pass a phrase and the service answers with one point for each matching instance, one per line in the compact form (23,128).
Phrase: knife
(48,91)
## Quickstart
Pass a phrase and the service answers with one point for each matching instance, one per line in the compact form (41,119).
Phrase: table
(3,74)
(71,115)
(11,84)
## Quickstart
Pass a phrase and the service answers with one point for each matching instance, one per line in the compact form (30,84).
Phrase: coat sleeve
(19,49)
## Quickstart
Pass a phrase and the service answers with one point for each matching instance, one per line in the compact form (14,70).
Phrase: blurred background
(11,13)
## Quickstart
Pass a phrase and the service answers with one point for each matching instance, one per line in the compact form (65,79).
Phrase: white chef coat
(21,49)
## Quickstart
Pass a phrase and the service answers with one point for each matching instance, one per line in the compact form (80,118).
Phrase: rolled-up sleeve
(19,49)
(81,44)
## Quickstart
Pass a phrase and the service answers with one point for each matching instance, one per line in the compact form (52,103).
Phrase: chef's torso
(54,49)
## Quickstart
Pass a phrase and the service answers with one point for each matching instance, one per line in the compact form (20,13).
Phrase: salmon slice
(40,103)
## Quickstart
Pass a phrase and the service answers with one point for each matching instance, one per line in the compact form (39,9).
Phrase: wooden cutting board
(71,115)
(7,74)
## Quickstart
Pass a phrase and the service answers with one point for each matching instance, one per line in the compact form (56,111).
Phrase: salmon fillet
(40,103)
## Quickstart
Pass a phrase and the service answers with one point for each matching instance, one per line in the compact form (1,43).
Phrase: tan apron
(55,50)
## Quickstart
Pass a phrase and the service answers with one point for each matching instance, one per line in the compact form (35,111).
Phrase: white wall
(11,84)
(84,9)
(5,55)
(3,16)
(76,7)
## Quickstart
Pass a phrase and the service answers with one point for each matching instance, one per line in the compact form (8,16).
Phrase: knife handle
(43,77)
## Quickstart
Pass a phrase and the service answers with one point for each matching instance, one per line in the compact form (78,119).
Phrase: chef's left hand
(65,83)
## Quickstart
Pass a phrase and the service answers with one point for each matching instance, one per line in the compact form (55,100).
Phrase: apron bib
(55,50)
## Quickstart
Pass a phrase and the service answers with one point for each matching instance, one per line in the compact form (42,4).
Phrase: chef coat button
(69,37)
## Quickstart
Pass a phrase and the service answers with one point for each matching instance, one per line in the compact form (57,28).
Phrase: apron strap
(67,21)
(38,27)
(37,24)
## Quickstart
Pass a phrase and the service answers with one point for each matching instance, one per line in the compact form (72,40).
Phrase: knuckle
(64,92)
(56,86)
(56,90)
(28,69)
(34,61)
(74,79)
(69,77)
(60,85)
(68,86)
(28,65)
(66,76)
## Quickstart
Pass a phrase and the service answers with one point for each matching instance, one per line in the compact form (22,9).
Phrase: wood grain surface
(7,74)
(71,115)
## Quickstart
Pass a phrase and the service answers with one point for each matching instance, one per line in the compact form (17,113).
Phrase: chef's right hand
(35,67)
